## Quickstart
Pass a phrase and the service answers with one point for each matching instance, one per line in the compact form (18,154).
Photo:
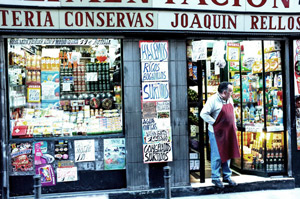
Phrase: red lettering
(224,21)
(67,19)
(16,18)
(130,20)
(28,18)
(254,21)
(110,19)
(202,2)
(39,18)
(100,18)
(78,19)
(170,2)
(263,22)
(291,23)
(48,19)
(279,24)
(215,21)
(174,25)
(184,20)
(298,21)
(196,21)
(149,19)
(132,1)
(110,1)
(236,3)
(271,23)
(262,3)
(139,20)
(220,4)
(4,12)
(232,22)
(120,19)
(89,18)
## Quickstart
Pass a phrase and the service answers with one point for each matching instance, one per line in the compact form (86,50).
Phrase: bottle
(275,81)
(28,76)
(33,76)
(275,98)
(246,114)
(275,115)
(279,80)
(280,116)
(38,76)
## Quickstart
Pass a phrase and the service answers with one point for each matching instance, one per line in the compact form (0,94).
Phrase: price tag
(91,77)
(34,94)
(66,86)
(93,60)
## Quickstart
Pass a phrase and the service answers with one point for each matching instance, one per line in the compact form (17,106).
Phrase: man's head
(225,90)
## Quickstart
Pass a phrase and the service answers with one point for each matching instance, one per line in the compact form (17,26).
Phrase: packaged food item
(234,66)
(257,67)
(194,72)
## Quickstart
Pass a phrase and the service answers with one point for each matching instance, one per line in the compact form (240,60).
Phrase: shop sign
(221,5)
(17,18)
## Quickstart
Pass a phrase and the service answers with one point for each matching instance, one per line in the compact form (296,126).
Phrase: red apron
(225,133)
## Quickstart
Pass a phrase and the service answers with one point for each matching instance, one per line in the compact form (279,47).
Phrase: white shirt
(212,109)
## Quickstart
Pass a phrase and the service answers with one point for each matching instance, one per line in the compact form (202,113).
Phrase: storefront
(99,95)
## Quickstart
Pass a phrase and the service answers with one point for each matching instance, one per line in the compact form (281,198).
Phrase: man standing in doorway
(218,112)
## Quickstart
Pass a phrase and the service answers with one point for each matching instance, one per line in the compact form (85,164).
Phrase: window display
(64,87)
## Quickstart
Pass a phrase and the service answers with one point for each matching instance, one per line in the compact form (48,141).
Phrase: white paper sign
(67,174)
(91,77)
(154,71)
(155,91)
(84,150)
(66,86)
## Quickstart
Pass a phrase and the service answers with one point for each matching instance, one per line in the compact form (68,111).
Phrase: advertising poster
(47,174)
(114,154)
(297,88)
(61,150)
(21,157)
(34,93)
(84,150)
(67,174)
(233,52)
(50,86)
(156,123)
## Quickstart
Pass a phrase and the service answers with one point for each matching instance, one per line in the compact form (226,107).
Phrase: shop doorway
(256,71)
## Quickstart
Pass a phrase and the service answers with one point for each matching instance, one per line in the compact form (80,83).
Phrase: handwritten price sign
(34,94)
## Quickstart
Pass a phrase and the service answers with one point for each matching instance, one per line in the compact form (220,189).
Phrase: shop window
(64,87)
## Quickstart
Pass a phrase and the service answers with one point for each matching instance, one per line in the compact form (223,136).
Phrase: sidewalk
(249,187)
(268,194)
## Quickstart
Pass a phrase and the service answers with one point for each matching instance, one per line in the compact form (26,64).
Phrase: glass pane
(275,152)
(61,87)
(273,78)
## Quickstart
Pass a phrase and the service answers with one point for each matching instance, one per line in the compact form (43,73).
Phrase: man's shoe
(230,182)
(218,183)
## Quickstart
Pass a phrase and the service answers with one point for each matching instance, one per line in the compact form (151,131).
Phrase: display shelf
(192,82)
